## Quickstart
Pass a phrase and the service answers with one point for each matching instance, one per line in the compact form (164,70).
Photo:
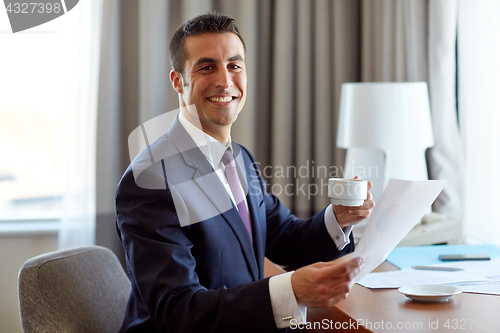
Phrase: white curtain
(78,221)
(414,40)
(479,105)
(446,159)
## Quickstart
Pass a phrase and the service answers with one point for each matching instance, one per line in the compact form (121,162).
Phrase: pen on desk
(434,268)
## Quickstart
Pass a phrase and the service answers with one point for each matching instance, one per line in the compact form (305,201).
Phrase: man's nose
(224,79)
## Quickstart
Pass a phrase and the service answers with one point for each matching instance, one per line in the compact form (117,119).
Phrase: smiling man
(207,274)
(213,78)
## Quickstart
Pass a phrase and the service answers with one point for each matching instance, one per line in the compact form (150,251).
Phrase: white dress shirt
(283,301)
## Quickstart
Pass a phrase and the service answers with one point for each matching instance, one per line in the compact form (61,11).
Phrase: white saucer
(429,292)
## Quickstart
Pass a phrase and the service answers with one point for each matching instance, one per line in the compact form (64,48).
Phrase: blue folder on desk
(408,256)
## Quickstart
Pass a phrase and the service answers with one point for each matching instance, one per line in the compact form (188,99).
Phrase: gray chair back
(77,290)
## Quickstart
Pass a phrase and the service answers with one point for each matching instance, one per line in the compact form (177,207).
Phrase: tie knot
(227,158)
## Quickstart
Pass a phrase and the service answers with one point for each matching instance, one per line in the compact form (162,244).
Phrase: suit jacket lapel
(203,177)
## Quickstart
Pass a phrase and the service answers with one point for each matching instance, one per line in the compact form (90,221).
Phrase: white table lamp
(386,129)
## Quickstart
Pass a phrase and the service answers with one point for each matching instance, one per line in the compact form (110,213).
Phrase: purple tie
(234,184)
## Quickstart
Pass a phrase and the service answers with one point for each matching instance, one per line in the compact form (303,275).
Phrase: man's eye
(234,67)
(206,68)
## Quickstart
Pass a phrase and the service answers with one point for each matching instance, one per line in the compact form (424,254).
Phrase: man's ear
(177,83)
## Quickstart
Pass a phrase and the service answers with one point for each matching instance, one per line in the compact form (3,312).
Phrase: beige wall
(15,249)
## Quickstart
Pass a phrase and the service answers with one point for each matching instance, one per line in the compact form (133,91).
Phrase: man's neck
(219,133)
(224,140)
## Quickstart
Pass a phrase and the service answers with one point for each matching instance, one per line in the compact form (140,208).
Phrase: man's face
(214,79)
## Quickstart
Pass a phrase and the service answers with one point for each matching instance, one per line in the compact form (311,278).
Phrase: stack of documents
(474,277)
(489,269)
(399,209)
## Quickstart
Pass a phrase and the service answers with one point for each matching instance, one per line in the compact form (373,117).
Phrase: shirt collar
(210,147)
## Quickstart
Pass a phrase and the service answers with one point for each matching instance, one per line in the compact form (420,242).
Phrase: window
(38,81)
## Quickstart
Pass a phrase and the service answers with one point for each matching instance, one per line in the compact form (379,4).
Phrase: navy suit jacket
(204,275)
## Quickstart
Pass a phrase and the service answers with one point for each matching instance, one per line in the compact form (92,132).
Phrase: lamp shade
(391,117)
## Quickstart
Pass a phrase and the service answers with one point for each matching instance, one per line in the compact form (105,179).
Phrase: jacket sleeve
(165,286)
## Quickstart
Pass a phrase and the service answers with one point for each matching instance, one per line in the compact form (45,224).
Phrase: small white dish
(429,292)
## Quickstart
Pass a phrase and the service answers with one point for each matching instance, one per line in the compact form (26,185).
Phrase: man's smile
(221,99)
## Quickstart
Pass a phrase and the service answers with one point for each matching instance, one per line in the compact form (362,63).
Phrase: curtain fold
(110,150)
(311,55)
(446,160)
(324,124)
(304,85)
(78,217)
(394,35)
(282,95)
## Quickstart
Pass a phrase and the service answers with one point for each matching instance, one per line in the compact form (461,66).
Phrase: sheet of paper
(407,277)
(486,268)
(399,209)
(490,287)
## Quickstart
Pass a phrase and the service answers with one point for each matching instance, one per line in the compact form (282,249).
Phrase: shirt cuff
(286,310)
(340,237)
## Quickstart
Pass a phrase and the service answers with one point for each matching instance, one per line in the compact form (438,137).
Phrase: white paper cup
(347,192)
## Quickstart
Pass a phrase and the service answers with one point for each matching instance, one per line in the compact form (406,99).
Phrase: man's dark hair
(210,22)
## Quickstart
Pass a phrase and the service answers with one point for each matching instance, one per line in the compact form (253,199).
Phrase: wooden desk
(386,310)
